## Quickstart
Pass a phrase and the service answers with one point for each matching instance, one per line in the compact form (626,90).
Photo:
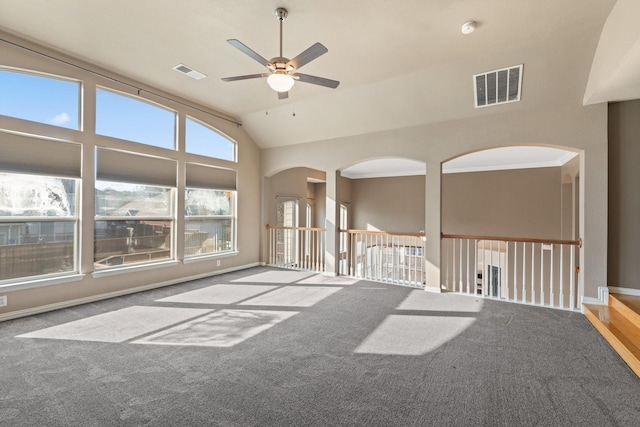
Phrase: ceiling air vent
(189,72)
(498,86)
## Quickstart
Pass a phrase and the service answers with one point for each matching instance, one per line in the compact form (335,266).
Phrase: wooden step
(629,305)
(619,330)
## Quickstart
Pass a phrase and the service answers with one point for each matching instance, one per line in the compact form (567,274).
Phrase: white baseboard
(604,291)
(589,300)
(93,298)
(624,291)
(602,299)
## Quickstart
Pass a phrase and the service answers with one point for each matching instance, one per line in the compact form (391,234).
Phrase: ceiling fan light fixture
(280,81)
(282,72)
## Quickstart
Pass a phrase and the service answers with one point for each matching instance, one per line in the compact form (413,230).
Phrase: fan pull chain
(293,101)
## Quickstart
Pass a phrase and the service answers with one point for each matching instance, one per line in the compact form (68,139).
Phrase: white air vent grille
(189,72)
(498,86)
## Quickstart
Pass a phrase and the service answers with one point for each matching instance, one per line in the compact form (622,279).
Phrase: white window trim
(210,257)
(38,282)
(132,268)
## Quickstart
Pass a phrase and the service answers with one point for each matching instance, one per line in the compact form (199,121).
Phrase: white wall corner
(603,295)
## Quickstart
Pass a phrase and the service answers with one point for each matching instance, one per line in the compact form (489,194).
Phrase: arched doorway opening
(294,203)
(509,225)
(382,217)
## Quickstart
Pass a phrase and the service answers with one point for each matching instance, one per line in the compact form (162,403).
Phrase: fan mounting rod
(281,14)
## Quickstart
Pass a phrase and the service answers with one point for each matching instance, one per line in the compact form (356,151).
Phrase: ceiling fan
(283,71)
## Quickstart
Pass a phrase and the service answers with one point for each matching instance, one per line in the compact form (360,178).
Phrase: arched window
(39,98)
(126,117)
(206,141)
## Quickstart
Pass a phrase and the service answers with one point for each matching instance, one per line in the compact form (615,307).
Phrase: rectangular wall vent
(498,86)
(189,72)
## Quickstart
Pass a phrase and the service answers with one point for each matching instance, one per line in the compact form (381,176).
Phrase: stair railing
(297,247)
(383,256)
(524,270)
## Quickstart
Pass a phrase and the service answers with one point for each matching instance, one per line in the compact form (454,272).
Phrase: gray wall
(506,203)
(292,184)
(513,203)
(624,197)
(388,204)
(319,195)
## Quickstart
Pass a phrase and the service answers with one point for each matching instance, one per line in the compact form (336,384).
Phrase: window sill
(112,271)
(10,286)
(210,257)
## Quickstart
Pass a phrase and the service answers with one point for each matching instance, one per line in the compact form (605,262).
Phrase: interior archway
(509,221)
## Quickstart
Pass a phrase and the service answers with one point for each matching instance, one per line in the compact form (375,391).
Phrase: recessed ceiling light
(197,75)
(469,27)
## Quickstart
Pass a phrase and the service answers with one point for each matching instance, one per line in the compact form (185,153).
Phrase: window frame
(74,160)
(232,216)
(170,218)
(73,219)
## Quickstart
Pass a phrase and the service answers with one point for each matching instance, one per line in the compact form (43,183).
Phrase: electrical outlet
(3,301)
(218,263)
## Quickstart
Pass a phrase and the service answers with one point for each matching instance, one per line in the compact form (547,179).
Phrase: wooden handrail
(383,233)
(280,227)
(577,243)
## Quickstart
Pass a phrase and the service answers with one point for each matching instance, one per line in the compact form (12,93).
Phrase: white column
(87,210)
(332,223)
(433,226)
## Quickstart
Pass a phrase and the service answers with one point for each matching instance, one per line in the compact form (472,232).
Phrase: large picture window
(209,226)
(38,225)
(209,210)
(38,206)
(134,182)
(39,98)
(134,206)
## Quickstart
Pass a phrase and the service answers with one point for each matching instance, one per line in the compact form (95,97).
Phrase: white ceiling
(494,159)
(615,72)
(509,158)
(400,64)
(379,168)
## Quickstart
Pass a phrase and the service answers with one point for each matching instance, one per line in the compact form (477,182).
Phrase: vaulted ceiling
(400,63)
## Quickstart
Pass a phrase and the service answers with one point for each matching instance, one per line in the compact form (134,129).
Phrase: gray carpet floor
(267,347)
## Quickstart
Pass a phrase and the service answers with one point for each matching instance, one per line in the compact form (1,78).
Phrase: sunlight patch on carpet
(285,276)
(219,294)
(224,328)
(323,279)
(413,335)
(293,296)
(429,301)
(118,326)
